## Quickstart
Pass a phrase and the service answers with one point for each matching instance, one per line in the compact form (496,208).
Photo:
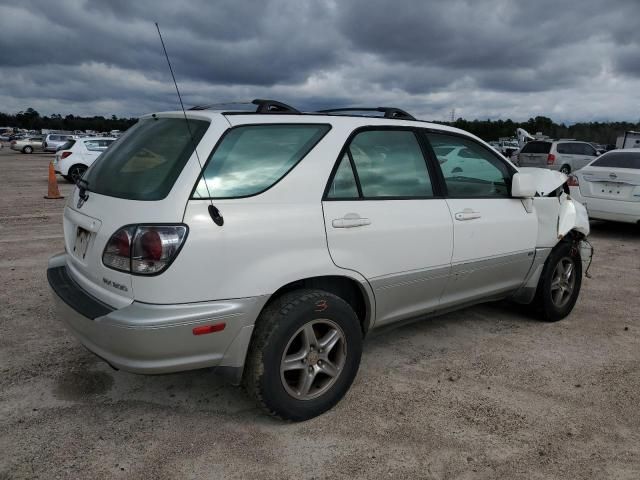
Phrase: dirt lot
(487,392)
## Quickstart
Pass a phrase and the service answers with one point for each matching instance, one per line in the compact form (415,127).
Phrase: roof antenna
(213,211)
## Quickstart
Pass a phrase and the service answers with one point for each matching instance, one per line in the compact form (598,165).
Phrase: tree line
(600,132)
(30,119)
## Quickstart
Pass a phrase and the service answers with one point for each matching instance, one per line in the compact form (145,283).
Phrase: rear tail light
(550,159)
(65,154)
(13,142)
(573,181)
(144,249)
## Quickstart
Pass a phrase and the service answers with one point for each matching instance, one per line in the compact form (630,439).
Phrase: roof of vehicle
(622,150)
(235,118)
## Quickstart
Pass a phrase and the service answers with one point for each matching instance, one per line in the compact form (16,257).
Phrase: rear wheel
(75,173)
(566,169)
(304,354)
(560,282)
(27,149)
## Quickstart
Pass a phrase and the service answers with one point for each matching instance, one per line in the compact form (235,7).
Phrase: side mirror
(523,186)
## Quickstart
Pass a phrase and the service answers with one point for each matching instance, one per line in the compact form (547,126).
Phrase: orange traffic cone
(53,193)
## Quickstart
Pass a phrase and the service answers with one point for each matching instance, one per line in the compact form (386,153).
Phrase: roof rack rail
(272,106)
(389,112)
(264,106)
(218,104)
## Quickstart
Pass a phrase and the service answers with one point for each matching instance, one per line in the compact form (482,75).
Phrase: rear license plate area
(81,244)
(611,189)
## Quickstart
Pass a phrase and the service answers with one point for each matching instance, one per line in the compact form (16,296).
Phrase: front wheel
(304,354)
(560,282)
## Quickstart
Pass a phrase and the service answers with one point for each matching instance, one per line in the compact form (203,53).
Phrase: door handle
(467,214)
(350,220)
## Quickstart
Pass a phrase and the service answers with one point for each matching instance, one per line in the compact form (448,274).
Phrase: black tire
(75,173)
(27,149)
(549,308)
(275,330)
(566,169)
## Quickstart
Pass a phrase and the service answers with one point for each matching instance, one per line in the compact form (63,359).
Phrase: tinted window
(97,145)
(587,149)
(536,147)
(619,160)
(67,145)
(344,182)
(250,159)
(147,160)
(470,170)
(565,148)
(389,163)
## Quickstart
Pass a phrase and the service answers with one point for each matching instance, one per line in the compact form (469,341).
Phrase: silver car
(564,155)
(27,144)
(53,141)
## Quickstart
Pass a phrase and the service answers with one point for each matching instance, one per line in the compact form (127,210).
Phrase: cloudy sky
(569,60)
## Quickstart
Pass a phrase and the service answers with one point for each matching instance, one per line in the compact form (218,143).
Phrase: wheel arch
(355,292)
(72,166)
(352,291)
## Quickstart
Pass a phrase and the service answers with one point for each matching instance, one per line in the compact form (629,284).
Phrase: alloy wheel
(313,359)
(563,282)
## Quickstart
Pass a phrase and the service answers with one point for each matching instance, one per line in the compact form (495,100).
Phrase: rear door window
(536,147)
(146,161)
(344,185)
(389,163)
(252,158)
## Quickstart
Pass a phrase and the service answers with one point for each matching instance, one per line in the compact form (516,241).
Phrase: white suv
(272,249)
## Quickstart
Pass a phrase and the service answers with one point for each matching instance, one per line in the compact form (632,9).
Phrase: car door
(386,219)
(91,151)
(494,235)
(584,154)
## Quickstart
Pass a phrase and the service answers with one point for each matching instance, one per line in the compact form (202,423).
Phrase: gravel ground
(487,392)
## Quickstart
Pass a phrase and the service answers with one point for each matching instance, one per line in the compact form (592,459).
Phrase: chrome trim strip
(465,267)
(409,277)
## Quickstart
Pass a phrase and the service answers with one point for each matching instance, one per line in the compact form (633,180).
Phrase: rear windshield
(252,158)
(618,160)
(146,161)
(536,147)
(67,145)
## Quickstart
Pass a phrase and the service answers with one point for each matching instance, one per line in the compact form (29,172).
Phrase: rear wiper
(82,186)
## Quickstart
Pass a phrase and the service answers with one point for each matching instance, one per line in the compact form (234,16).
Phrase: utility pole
(453,115)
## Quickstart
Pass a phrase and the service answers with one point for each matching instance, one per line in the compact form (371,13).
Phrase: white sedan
(610,186)
(76,155)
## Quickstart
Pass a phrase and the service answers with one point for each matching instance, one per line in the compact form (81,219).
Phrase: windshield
(145,162)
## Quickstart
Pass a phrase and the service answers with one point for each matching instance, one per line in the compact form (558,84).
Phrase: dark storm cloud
(498,57)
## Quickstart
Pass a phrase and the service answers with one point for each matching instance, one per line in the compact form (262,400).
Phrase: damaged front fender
(572,216)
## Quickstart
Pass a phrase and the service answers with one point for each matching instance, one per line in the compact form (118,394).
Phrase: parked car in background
(564,155)
(610,186)
(173,265)
(52,141)
(76,155)
(27,144)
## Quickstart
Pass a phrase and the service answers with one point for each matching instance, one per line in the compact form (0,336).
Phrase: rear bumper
(149,338)
(605,209)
